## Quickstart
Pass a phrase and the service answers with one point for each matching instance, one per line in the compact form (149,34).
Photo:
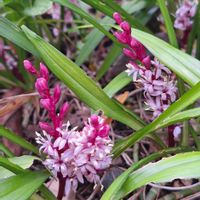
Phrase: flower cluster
(184,15)
(72,155)
(157,81)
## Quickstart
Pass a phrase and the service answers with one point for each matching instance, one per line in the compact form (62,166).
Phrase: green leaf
(114,188)
(4,162)
(110,58)
(14,34)
(184,65)
(17,139)
(22,186)
(168,23)
(37,7)
(187,99)
(23,161)
(182,116)
(6,151)
(117,84)
(83,86)
(92,40)
(183,165)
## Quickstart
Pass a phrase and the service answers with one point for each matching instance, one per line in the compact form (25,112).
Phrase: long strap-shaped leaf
(22,186)
(184,65)
(82,85)
(14,34)
(4,162)
(183,165)
(114,188)
(4,132)
(188,98)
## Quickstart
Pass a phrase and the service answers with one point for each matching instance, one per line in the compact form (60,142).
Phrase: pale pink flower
(184,15)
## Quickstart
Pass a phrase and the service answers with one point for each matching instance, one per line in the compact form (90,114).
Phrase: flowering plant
(100,137)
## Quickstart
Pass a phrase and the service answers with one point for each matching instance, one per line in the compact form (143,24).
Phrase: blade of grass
(110,58)
(4,132)
(6,150)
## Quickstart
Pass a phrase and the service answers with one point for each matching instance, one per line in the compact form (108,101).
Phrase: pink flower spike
(117,18)
(29,67)
(42,86)
(64,109)
(56,93)
(46,103)
(44,71)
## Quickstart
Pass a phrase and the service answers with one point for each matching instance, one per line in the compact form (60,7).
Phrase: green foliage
(183,165)
(22,186)
(23,161)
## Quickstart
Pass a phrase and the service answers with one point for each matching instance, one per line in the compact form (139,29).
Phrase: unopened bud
(94,120)
(117,18)
(29,67)
(126,27)
(147,62)
(64,109)
(46,103)
(104,131)
(56,93)
(121,37)
(42,86)
(129,53)
(44,71)
(46,127)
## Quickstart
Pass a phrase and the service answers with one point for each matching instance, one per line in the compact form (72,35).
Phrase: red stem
(61,189)
(171,141)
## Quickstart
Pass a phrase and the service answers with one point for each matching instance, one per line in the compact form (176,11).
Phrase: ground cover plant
(99,99)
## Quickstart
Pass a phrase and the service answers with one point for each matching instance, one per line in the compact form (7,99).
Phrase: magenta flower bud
(94,121)
(147,62)
(117,18)
(46,127)
(134,43)
(104,131)
(42,86)
(126,27)
(56,93)
(139,49)
(120,37)
(29,67)
(46,103)
(129,53)
(44,71)
(64,109)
